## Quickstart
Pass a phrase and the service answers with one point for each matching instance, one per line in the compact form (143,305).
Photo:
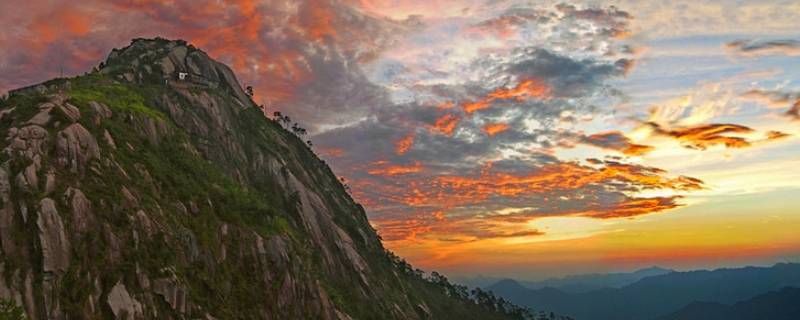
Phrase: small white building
(182,75)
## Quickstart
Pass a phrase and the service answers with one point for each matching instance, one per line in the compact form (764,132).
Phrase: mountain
(776,305)
(573,284)
(154,188)
(657,295)
(589,282)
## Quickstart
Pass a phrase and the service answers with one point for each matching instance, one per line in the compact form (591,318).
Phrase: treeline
(481,298)
(295,128)
(283,120)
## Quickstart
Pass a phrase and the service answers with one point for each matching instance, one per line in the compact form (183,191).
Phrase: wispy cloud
(755,48)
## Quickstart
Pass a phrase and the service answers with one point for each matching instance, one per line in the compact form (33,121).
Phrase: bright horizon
(504,138)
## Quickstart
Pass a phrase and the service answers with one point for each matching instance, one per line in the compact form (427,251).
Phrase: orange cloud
(495,128)
(470,107)
(445,105)
(331,152)
(776,135)
(392,170)
(402,145)
(703,136)
(68,22)
(633,207)
(527,89)
(448,190)
(317,19)
(548,183)
(447,123)
(531,88)
(424,226)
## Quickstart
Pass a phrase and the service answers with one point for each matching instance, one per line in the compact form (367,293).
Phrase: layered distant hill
(576,283)
(777,305)
(655,296)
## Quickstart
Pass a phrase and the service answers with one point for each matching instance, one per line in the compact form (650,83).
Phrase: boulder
(55,246)
(81,209)
(75,146)
(122,304)
(29,141)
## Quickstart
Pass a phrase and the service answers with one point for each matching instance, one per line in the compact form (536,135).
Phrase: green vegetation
(119,97)
(9,310)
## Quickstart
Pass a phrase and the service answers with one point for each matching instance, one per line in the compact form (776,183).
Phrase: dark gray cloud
(569,77)
(789,47)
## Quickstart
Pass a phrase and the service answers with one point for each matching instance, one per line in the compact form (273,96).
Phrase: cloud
(700,106)
(776,135)
(488,102)
(794,111)
(615,140)
(512,21)
(383,168)
(526,89)
(448,229)
(772,98)
(495,128)
(597,189)
(612,21)
(402,145)
(447,123)
(756,48)
(703,136)
(777,100)
(437,123)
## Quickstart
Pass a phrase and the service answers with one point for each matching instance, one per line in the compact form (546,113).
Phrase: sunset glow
(504,138)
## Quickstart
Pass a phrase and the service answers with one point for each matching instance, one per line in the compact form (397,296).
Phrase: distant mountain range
(776,305)
(573,284)
(655,296)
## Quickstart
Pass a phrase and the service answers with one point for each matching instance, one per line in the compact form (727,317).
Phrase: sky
(510,138)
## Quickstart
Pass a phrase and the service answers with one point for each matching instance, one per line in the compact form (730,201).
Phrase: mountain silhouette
(657,295)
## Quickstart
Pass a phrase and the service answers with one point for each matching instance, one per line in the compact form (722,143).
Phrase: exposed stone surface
(173,293)
(55,246)
(101,111)
(43,117)
(109,139)
(122,304)
(70,111)
(81,209)
(75,146)
(50,182)
(29,141)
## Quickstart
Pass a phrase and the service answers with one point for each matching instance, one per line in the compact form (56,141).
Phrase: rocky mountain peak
(165,61)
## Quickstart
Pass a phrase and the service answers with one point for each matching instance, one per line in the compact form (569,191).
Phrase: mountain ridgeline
(573,284)
(154,188)
(702,295)
(783,304)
